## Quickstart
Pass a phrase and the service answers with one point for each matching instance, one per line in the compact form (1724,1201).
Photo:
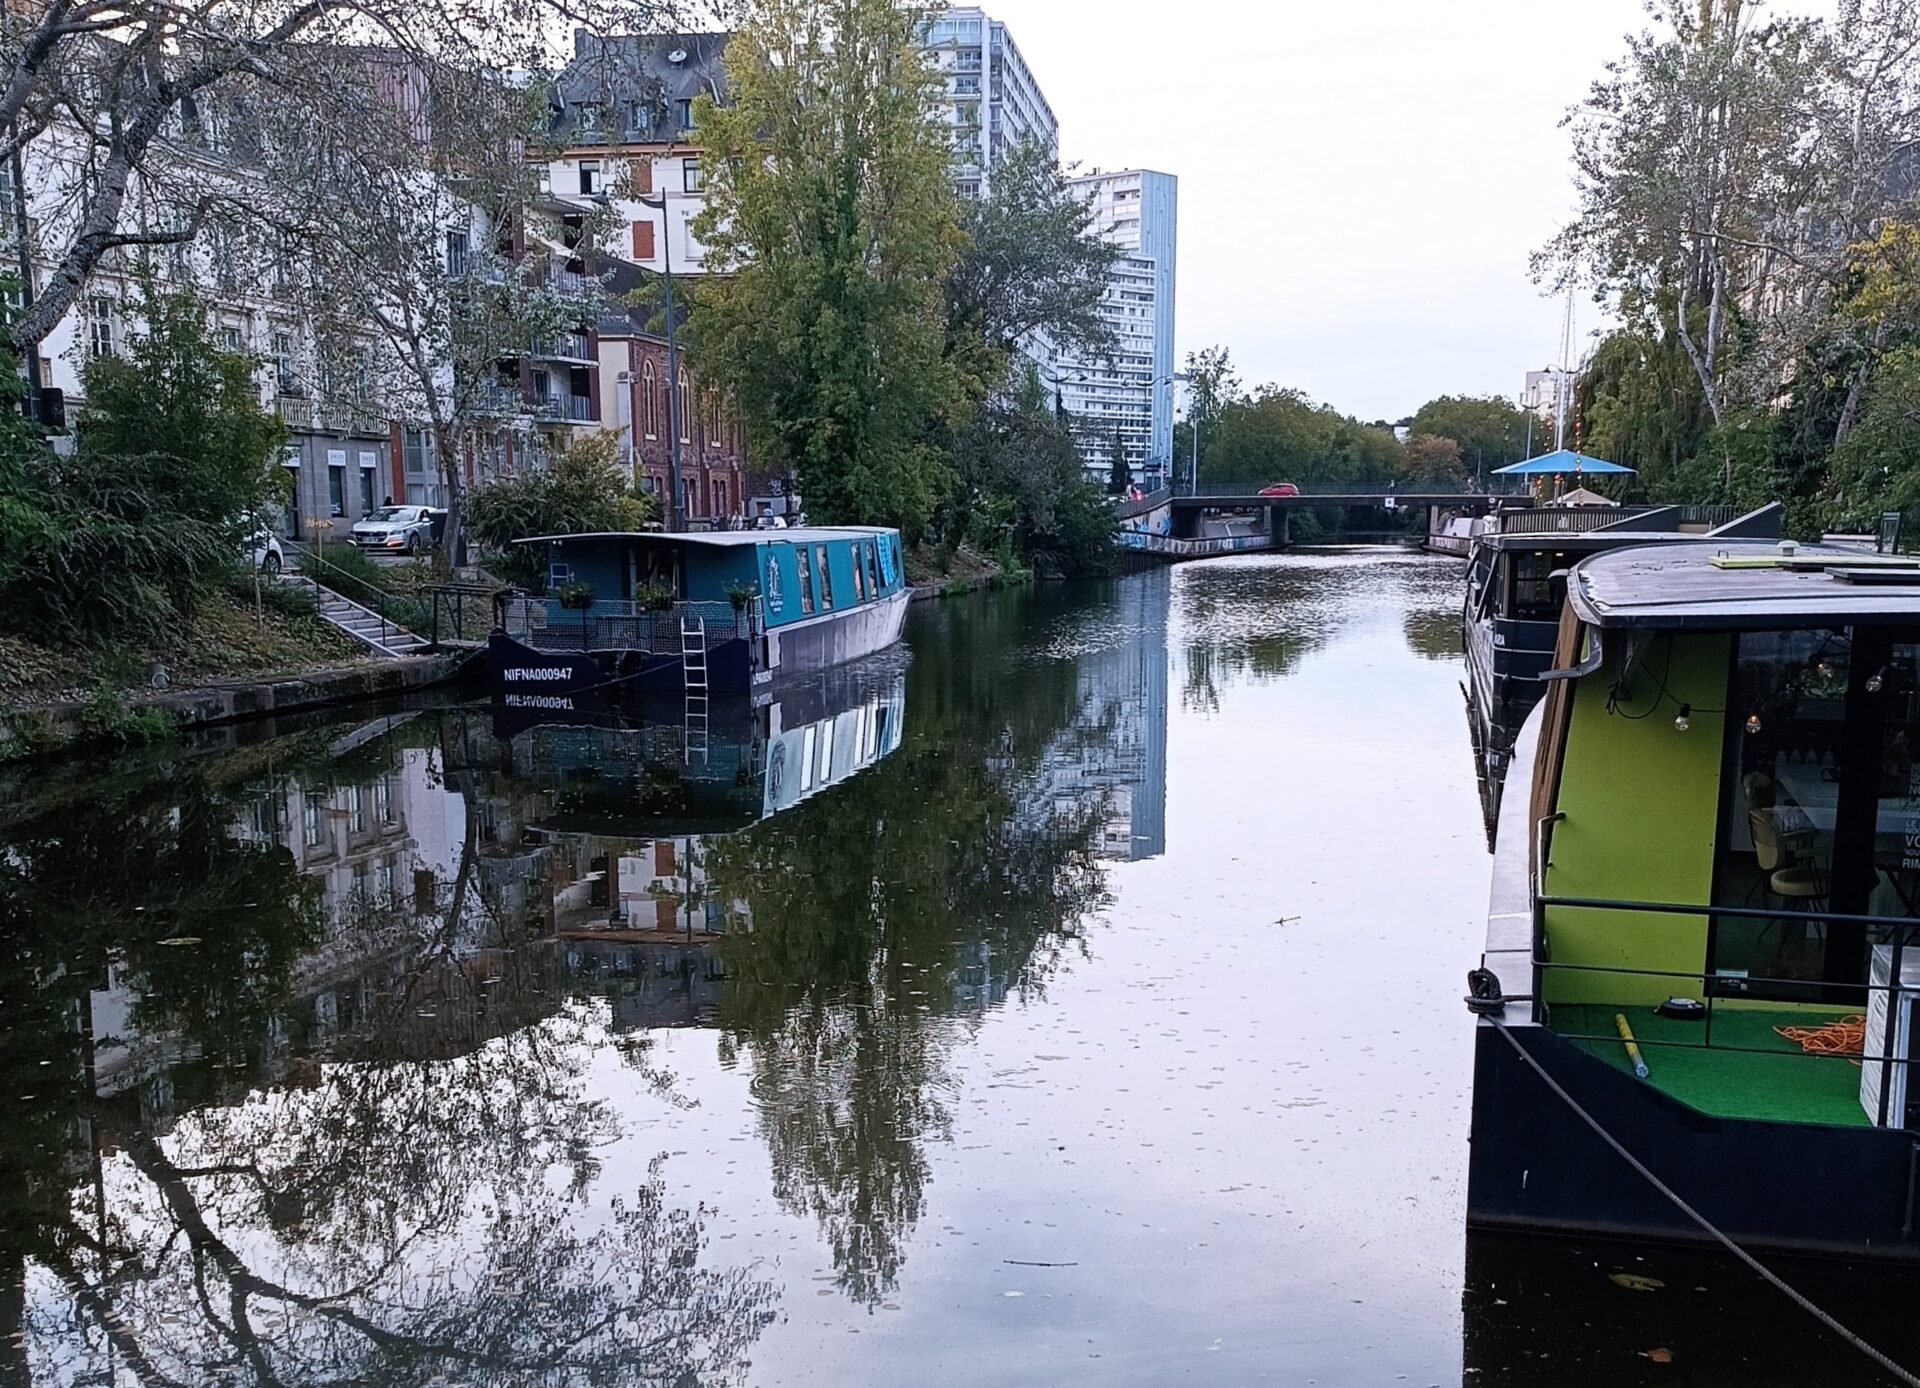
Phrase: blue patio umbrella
(1555,464)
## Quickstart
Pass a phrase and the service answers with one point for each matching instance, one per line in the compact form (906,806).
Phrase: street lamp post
(673,367)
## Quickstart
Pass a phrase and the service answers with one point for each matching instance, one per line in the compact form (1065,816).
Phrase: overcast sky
(1360,183)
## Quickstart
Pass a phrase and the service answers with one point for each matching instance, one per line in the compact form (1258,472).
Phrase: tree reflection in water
(205,1191)
(300,1036)
(889,913)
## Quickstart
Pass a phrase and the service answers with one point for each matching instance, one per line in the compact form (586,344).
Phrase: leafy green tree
(585,488)
(1211,387)
(830,220)
(1119,471)
(1433,459)
(1877,467)
(1029,263)
(1638,403)
(172,466)
(1491,432)
(1027,499)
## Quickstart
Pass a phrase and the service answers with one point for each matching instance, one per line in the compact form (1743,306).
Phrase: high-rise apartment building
(1130,397)
(992,96)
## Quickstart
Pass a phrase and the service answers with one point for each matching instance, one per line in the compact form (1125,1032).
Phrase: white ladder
(693,664)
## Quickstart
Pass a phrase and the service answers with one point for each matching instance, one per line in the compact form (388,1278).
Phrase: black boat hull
(1788,1187)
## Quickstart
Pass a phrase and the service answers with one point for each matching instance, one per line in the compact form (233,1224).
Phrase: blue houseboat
(730,611)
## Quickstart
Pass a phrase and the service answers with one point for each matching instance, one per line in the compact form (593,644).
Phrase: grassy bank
(936,573)
(225,640)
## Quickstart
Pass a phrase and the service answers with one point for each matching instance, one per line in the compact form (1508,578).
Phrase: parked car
(267,554)
(401,529)
(1280,489)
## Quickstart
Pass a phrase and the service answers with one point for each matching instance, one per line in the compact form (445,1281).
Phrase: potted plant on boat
(740,594)
(654,596)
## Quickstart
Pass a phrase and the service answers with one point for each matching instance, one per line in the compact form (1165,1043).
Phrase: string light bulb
(1877,681)
(1685,718)
(1753,723)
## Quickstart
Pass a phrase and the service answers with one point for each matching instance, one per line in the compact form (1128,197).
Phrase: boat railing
(1563,520)
(623,625)
(1899,934)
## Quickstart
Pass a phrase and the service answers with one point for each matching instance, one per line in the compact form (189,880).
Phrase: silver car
(400,529)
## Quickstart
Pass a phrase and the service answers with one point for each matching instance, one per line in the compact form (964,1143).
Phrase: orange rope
(1848,1036)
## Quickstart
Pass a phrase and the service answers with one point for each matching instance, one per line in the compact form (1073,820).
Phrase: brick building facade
(713,466)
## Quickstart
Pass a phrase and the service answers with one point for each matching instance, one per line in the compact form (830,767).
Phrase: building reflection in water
(284,1020)
(1111,758)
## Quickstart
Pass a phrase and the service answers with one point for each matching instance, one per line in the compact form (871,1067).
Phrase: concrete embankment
(34,731)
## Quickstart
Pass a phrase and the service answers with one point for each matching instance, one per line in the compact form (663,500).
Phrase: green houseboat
(1710,847)
(726,611)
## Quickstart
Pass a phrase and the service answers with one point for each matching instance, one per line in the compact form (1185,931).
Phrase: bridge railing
(1126,510)
(1369,486)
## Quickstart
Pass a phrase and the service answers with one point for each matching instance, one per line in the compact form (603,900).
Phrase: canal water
(1072,997)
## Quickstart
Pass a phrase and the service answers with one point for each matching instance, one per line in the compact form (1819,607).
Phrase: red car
(1280,489)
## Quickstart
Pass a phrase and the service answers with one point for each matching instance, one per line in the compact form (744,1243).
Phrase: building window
(231,341)
(683,114)
(286,378)
(806,580)
(713,421)
(649,402)
(639,117)
(826,578)
(680,402)
(337,488)
(100,325)
(692,180)
(313,821)
(366,491)
(590,178)
(719,497)
(456,254)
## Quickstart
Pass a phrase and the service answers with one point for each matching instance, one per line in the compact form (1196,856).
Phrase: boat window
(859,574)
(806,579)
(873,567)
(826,578)
(1537,595)
(1787,757)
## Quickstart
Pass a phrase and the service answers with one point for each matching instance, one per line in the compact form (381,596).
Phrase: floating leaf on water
(1634,1282)
(1662,1355)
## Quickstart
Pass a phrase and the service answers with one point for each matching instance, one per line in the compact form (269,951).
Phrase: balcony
(570,409)
(572,347)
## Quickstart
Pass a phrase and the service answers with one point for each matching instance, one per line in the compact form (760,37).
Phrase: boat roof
(724,539)
(1743,586)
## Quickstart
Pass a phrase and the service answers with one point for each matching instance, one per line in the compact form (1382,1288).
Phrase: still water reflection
(1069,998)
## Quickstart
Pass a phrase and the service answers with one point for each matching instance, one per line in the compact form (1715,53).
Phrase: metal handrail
(1904,933)
(381,595)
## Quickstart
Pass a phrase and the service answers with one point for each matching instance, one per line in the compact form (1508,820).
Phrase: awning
(1555,464)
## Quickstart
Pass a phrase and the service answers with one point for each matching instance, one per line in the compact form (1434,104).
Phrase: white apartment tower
(1130,395)
(993,99)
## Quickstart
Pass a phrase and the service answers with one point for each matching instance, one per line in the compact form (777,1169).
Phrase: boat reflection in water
(626,809)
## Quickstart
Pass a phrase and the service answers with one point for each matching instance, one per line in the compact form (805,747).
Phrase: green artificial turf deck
(1782,1085)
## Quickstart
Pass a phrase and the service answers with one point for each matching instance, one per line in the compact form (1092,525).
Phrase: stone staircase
(362,623)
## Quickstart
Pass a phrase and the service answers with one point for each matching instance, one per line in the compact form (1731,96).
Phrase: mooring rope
(1766,1273)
